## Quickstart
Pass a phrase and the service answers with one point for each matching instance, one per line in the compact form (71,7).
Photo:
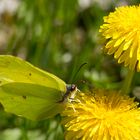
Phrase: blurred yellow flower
(102,115)
(122,31)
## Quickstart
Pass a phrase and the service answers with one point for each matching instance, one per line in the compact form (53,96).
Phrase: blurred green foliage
(58,36)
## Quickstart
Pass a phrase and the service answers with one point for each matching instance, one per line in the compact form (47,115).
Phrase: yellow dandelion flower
(122,30)
(104,115)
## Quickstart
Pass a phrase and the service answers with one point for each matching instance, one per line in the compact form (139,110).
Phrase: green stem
(24,130)
(127,82)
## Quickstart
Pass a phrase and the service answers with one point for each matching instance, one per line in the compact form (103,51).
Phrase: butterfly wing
(32,101)
(14,69)
(29,91)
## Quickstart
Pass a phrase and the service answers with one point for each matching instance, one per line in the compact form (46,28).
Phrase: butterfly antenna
(75,75)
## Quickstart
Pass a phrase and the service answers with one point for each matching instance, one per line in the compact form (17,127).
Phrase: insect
(28,91)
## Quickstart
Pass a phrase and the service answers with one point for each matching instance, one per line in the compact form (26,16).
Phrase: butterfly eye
(73,87)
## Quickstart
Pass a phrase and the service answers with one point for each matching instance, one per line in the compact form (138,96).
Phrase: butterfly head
(71,88)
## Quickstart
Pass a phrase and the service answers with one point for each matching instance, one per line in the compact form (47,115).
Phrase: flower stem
(24,129)
(127,82)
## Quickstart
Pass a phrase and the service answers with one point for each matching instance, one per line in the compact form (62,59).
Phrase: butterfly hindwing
(31,101)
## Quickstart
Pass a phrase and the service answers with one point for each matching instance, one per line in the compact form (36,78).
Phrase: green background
(59,36)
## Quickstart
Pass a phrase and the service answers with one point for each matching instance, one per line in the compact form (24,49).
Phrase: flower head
(122,30)
(103,115)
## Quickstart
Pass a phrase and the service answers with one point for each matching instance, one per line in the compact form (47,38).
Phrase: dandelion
(102,115)
(122,31)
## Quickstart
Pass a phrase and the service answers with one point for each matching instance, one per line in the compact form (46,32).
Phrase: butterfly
(30,92)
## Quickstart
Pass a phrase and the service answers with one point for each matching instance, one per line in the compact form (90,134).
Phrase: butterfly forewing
(14,69)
